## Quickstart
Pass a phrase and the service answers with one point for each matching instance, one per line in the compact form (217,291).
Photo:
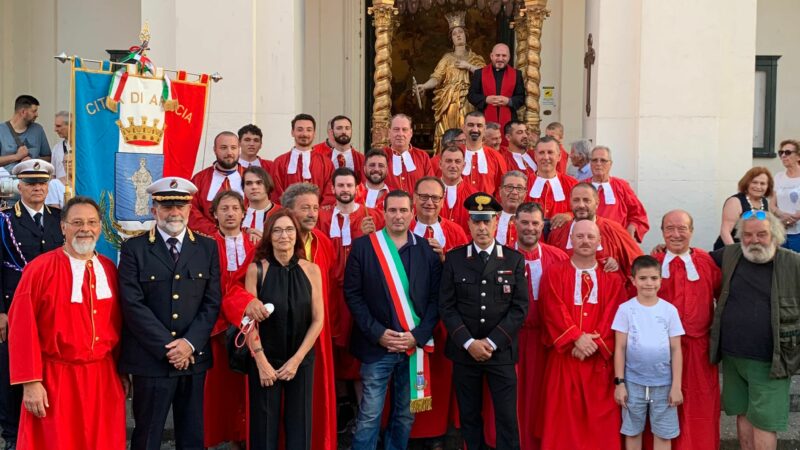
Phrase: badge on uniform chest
(506,289)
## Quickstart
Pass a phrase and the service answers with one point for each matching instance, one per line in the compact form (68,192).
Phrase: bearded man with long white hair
(756,329)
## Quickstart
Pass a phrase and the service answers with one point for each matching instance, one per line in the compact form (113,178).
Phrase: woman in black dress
(283,345)
(755,189)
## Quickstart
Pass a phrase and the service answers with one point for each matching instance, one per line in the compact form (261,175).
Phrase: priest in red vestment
(556,130)
(539,258)
(65,324)
(250,142)
(457,190)
(498,89)
(374,188)
(301,164)
(224,392)
(443,236)
(224,175)
(337,147)
(691,281)
(347,220)
(618,202)
(516,153)
(550,188)
(302,199)
(257,185)
(577,304)
(406,163)
(616,242)
(483,166)
(512,194)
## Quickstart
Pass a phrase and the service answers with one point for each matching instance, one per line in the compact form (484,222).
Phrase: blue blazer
(367,295)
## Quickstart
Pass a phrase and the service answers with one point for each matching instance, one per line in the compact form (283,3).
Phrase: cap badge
(482,200)
(36,166)
(173,184)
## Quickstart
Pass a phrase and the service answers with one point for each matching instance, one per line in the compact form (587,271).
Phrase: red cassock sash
(499,114)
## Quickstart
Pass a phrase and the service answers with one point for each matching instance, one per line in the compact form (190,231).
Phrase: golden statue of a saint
(450,80)
(140,180)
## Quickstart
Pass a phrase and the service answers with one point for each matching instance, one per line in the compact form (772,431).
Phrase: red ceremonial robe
(579,410)
(627,209)
(699,415)
(250,220)
(532,355)
(549,204)
(361,196)
(457,213)
(513,164)
(561,166)
(357,158)
(323,404)
(499,114)
(490,181)
(321,170)
(435,422)
(346,366)
(200,217)
(265,164)
(614,239)
(506,233)
(225,391)
(69,347)
(406,180)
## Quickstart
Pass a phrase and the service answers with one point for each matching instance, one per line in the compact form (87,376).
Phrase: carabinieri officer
(170,291)
(483,302)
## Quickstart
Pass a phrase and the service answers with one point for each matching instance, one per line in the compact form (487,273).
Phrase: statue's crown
(143,134)
(456,19)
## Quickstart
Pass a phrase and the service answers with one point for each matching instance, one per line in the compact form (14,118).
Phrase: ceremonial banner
(124,139)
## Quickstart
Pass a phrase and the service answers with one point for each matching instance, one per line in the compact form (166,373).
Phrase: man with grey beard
(170,289)
(756,329)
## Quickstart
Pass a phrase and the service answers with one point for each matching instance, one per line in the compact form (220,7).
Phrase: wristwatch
(618,381)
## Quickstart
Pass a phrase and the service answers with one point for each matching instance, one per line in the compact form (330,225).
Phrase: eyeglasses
(433,198)
(518,189)
(81,223)
(600,160)
(760,215)
(785,152)
(277,232)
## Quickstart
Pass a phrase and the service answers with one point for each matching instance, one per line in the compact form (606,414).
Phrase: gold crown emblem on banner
(456,19)
(143,134)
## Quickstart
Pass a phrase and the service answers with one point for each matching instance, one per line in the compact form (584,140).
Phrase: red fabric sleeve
(25,352)
(561,329)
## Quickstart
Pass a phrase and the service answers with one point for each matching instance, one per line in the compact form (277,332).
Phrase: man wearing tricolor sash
(391,285)
(483,302)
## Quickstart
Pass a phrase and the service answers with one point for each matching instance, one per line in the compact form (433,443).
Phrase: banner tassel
(419,405)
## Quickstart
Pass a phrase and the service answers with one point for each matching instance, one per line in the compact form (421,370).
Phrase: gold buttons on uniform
(177,277)
(42,241)
(173,333)
(175,316)
(175,296)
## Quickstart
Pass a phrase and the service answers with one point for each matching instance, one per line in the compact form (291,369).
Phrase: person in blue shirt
(21,137)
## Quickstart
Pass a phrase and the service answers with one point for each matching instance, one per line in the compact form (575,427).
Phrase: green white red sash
(397,281)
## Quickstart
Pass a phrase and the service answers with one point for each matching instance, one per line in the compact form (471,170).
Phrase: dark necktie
(38,219)
(173,248)
(484,256)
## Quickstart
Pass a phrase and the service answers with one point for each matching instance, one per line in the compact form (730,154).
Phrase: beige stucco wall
(778,33)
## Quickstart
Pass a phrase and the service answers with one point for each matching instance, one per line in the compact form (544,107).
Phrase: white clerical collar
(578,292)
(166,236)
(691,270)
(451,192)
(246,164)
(348,158)
(218,178)
(483,167)
(569,236)
(401,160)
(235,252)
(373,195)
(535,269)
(344,231)
(438,232)
(78,268)
(608,192)
(555,186)
(524,161)
(32,211)
(254,218)
(305,156)
(502,227)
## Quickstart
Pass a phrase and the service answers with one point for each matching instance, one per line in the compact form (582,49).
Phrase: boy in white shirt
(648,360)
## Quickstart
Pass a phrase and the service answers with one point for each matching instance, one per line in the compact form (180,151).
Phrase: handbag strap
(259,276)
(14,134)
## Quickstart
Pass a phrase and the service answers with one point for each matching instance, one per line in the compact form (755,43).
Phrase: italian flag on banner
(419,370)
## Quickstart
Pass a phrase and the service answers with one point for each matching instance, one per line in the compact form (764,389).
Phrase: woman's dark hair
(265,249)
